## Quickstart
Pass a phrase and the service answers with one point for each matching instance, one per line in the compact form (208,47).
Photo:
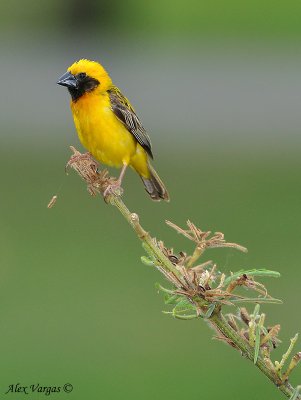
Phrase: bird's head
(85,76)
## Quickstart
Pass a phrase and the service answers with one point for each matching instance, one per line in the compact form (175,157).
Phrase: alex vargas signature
(37,388)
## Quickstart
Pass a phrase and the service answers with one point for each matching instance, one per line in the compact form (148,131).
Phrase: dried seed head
(294,362)
(52,202)
(201,238)
(87,168)
(232,322)
(271,335)
(244,315)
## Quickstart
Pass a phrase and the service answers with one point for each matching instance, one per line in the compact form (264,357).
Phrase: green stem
(216,319)
(144,236)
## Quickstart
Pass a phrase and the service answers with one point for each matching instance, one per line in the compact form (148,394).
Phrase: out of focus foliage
(233,18)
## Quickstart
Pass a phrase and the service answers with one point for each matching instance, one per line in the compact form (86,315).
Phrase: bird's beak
(68,80)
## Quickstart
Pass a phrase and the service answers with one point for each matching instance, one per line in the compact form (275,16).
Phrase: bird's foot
(113,188)
(82,157)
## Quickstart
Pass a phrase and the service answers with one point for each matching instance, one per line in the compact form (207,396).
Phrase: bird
(108,126)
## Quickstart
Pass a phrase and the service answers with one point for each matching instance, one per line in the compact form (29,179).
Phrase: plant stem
(216,319)
(144,236)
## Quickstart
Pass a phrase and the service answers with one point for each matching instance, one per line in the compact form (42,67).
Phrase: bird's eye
(81,76)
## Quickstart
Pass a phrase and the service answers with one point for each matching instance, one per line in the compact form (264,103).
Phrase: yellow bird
(108,126)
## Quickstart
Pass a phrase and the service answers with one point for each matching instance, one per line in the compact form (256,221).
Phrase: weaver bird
(108,126)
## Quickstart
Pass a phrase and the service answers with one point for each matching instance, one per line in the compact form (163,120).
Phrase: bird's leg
(116,185)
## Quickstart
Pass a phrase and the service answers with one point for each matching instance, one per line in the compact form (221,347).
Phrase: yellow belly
(101,133)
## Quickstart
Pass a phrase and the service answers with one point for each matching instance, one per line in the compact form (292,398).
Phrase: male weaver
(108,126)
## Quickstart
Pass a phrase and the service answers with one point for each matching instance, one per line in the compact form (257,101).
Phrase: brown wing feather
(125,113)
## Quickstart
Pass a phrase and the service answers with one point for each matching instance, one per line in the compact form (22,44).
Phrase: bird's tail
(154,186)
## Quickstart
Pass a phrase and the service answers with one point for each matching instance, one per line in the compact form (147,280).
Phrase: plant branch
(193,287)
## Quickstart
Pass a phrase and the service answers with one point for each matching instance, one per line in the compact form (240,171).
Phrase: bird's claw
(113,188)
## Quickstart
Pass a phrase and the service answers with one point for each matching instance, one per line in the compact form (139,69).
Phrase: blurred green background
(217,84)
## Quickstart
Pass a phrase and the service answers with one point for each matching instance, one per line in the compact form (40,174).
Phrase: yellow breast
(100,132)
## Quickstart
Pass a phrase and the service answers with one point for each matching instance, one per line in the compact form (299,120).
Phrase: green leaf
(210,310)
(251,272)
(184,304)
(163,289)
(183,312)
(179,316)
(190,316)
(171,299)
(256,300)
(257,343)
(183,307)
(256,311)
(147,261)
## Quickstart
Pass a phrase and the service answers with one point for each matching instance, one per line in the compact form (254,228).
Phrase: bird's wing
(125,113)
